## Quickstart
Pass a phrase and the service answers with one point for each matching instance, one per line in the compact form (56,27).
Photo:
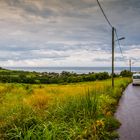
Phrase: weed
(60,112)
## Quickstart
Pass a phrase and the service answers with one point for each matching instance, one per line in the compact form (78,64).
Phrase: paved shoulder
(128,114)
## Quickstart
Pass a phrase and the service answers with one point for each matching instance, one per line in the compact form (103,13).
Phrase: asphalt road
(128,114)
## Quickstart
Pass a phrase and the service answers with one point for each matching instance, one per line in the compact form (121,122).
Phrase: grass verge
(60,112)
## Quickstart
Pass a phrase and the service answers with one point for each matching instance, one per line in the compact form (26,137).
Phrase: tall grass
(60,112)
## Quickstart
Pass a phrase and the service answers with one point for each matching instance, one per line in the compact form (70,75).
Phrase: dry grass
(59,111)
(39,99)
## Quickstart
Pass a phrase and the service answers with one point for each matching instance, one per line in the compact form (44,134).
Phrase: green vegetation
(9,76)
(60,112)
(126,73)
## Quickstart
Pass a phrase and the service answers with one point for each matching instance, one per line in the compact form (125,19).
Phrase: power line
(119,45)
(135,61)
(104,14)
(109,23)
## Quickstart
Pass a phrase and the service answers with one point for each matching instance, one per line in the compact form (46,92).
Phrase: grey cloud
(102,59)
(28,26)
(29,55)
(120,58)
(48,8)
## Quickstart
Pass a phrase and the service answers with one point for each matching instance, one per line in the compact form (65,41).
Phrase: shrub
(126,73)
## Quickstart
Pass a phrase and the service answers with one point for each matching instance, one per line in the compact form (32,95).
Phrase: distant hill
(2,68)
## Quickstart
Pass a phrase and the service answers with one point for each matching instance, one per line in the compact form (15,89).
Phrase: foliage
(9,76)
(126,73)
(60,112)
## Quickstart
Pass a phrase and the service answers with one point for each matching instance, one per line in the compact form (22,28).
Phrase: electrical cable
(120,46)
(104,14)
(112,27)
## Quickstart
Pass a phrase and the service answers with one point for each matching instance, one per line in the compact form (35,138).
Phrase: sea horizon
(73,69)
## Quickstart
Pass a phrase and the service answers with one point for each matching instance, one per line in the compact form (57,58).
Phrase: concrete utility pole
(113,31)
(130,64)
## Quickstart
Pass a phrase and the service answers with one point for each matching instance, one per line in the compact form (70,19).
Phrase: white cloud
(66,32)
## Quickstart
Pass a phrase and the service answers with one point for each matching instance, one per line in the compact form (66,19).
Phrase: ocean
(78,70)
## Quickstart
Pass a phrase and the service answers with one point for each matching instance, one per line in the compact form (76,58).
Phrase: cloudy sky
(67,32)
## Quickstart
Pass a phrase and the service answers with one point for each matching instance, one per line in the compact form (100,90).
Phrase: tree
(126,73)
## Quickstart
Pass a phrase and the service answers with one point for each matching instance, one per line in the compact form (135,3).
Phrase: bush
(9,76)
(126,73)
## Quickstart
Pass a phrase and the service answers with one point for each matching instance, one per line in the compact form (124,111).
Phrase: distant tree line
(8,76)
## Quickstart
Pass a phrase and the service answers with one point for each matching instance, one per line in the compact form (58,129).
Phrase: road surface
(128,113)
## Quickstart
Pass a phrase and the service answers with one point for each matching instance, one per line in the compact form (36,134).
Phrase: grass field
(81,111)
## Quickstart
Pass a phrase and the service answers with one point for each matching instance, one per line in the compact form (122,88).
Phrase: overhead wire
(109,23)
(104,14)
(119,44)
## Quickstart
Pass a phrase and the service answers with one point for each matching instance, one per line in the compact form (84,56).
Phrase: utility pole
(113,42)
(113,31)
(130,64)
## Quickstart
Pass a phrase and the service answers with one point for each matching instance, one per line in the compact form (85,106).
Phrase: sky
(55,33)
